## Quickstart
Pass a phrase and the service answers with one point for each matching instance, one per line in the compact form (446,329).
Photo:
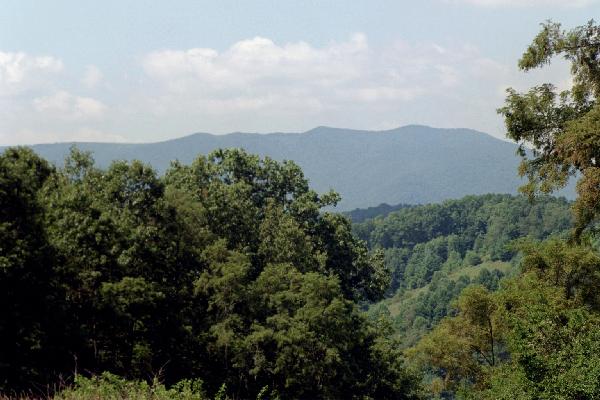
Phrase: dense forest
(361,214)
(230,278)
(256,290)
(434,251)
(223,270)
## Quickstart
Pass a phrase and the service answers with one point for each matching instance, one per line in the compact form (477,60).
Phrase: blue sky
(145,71)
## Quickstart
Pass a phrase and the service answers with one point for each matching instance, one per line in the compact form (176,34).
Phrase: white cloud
(258,75)
(527,3)
(34,108)
(20,71)
(257,61)
(63,105)
(91,77)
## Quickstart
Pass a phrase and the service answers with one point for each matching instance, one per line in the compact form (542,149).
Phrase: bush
(112,387)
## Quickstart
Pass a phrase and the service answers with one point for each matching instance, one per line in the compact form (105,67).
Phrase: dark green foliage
(225,270)
(489,279)
(27,332)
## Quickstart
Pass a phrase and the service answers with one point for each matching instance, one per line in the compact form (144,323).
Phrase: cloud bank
(258,75)
(255,84)
(20,72)
(33,106)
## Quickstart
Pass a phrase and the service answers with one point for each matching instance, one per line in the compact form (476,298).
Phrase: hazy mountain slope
(412,164)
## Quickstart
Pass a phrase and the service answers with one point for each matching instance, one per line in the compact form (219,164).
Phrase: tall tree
(226,270)
(563,128)
(546,317)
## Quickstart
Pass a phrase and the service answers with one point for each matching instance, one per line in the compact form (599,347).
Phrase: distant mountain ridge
(412,165)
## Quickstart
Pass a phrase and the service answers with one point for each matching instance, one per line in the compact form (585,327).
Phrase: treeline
(224,278)
(361,214)
(419,240)
(225,271)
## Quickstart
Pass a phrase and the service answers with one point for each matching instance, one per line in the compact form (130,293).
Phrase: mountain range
(411,165)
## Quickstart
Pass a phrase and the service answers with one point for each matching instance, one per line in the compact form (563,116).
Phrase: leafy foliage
(111,387)
(224,270)
(561,127)
(26,287)
(536,337)
(435,251)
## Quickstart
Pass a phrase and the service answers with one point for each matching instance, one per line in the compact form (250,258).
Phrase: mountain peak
(325,129)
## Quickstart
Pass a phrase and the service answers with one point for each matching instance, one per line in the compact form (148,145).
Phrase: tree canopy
(225,270)
(435,251)
(562,128)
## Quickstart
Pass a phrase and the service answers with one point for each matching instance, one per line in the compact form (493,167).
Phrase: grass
(112,387)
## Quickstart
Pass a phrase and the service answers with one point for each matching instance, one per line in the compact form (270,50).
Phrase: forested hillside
(412,165)
(435,251)
(537,336)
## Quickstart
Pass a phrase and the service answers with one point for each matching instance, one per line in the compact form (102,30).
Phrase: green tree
(463,348)
(226,269)
(541,340)
(552,340)
(562,128)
